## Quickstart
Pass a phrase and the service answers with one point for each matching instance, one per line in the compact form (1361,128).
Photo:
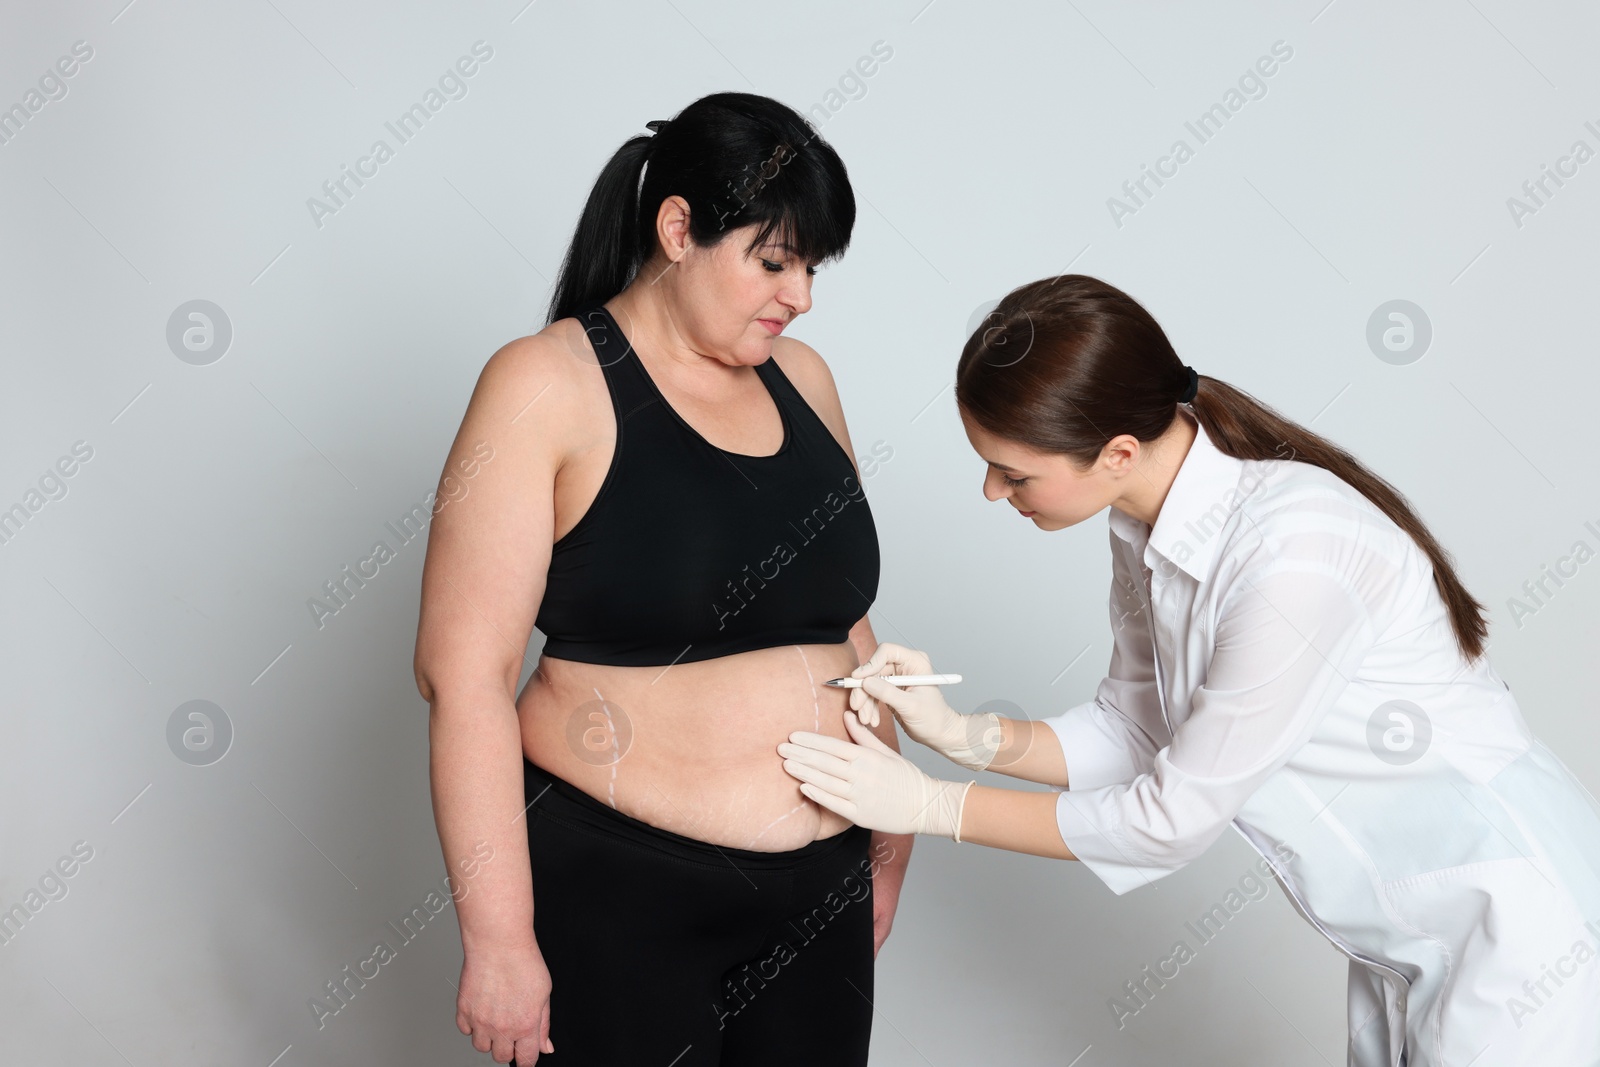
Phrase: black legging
(672,952)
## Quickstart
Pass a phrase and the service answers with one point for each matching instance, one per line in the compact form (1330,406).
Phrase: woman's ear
(672,227)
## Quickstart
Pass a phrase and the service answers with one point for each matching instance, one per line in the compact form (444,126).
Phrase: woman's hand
(970,740)
(871,784)
(504,1002)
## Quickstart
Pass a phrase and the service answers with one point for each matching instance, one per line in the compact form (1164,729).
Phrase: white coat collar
(1202,498)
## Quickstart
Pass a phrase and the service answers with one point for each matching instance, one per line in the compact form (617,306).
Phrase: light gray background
(178,565)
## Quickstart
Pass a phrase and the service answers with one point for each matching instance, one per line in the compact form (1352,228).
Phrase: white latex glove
(970,740)
(871,784)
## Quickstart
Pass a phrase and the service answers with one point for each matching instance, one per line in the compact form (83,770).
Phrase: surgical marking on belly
(775,822)
(616,757)
(816,700)
(816,718)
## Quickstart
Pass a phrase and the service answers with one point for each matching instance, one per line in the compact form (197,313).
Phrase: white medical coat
(1310,693)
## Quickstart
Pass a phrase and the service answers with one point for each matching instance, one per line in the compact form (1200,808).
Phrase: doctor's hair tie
(656,125)
(1192,388)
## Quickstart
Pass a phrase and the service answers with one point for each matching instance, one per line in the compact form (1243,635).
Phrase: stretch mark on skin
(616,757)
(743,803)
(816,718)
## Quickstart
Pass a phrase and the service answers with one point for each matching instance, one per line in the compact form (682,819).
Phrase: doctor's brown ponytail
(1065,364)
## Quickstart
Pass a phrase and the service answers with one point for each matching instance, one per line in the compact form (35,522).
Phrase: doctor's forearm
(1013,819)
(1031,751)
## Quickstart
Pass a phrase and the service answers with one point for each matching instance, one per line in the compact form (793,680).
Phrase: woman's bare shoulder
(546,380)
(546,356)
(809,372)
(812,378)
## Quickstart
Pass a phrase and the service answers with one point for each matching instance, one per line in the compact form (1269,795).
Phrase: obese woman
(671,497)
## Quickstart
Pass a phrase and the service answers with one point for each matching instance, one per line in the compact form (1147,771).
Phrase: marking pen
(897,679)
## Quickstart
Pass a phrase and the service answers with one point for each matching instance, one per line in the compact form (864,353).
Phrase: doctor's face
(1044,487)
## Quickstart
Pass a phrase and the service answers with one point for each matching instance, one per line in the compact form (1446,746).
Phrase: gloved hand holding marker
(970,740)
(871,784)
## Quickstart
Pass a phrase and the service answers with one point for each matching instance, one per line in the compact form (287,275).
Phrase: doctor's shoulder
(1297,515)
(1341,516)
(1285,489)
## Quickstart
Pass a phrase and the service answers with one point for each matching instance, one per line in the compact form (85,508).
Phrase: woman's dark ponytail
(604,251)
(738,160)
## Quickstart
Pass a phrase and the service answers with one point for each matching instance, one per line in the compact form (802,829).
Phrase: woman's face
(731,304)
(1052,492)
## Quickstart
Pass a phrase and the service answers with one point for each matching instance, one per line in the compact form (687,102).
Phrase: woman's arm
(483,579)
(890,852)
(809,374)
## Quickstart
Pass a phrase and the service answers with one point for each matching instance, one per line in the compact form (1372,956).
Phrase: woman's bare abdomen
(692,748)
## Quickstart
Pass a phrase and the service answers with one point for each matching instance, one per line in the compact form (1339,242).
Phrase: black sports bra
(690,551)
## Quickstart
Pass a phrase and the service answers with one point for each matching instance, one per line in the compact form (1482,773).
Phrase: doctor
(1293,656)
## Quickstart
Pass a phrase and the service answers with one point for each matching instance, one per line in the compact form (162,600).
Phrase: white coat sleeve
(1291,631)
(1113,737)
